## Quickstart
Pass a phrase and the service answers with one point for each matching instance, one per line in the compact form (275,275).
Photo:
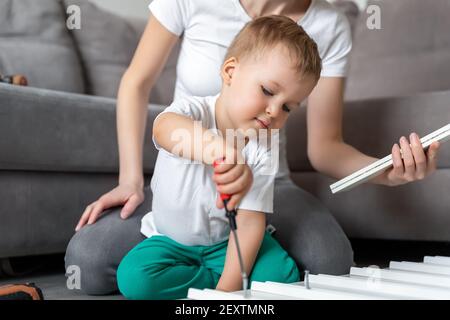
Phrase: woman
(304,226)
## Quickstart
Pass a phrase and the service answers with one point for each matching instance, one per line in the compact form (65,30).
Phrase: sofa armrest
(45,130)
(374,125)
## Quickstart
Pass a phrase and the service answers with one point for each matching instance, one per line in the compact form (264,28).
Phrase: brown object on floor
(16,79)
(27,291)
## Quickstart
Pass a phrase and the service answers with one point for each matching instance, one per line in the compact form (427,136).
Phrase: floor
(48,273)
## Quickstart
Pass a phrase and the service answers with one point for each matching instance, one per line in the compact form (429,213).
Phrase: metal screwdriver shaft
(231,215)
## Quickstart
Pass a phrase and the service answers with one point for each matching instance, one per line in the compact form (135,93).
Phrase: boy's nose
(273,110)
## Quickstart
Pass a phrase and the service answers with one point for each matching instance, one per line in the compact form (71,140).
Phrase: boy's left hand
(233,179)
(412,163)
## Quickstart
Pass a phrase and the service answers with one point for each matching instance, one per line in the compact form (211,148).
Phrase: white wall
(130,8)
(138,8)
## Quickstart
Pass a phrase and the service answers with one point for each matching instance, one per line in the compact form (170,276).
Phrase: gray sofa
(58,146)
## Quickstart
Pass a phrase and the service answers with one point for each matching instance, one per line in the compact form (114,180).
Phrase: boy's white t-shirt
(209,26)
(184,194)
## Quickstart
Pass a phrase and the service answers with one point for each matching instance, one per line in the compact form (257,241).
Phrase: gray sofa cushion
(34,41)
(64,132)
(106,44)
(409,54)
(415,211)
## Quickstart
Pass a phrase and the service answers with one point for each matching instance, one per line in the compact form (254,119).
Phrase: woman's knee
(308,231)
(319,246)
(91,260)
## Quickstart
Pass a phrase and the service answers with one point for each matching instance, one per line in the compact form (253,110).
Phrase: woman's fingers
(408,159)
(96,211)
(398,169)
(412,163)
(420,158)
(432,153)
(130,206)
(84,217)
(89,215)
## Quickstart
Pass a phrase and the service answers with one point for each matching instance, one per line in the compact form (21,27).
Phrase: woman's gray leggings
(304,227)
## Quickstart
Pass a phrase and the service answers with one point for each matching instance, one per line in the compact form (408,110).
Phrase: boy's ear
(227,70)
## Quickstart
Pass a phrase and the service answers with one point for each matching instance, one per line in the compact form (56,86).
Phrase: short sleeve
(261,194)
(184,107)
(335,60)
(172,14)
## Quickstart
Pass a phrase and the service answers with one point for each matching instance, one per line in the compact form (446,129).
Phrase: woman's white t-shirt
(209,26)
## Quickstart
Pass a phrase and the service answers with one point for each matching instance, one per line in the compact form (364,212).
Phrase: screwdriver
(231,215)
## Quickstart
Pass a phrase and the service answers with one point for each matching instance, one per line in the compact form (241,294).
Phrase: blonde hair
(269,31)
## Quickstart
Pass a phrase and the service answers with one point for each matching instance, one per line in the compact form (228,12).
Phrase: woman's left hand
(412,163)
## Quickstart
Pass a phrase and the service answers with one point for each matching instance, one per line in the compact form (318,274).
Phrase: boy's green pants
(160,268)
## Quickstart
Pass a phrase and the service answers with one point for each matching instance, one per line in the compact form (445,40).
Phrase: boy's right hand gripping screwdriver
(231,215)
